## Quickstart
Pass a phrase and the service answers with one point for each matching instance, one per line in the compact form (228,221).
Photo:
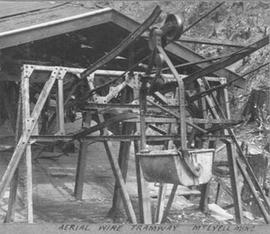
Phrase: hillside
(234,22)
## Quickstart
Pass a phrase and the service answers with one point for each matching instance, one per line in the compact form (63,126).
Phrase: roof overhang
(56,27)
(63,25)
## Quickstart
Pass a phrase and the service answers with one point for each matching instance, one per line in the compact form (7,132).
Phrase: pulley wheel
(173,27)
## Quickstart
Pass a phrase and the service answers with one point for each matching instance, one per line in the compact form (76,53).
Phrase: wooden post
(160,204)
(123,159)
(253,191)
(143,193)
(60,107)
(82,160)
(162,189)
(204,197)
(226,99)
(170,201)
(14,183)
(143,104)
(124,150)
(119,178)
(80,171)
(28,154)
(12,198)
(218,193)
(231,153)
(144,198)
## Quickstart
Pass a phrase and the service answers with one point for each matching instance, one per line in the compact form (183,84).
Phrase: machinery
(187,116)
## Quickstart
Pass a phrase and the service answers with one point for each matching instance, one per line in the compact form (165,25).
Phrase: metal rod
(204,16)
(256,69)
(181,98)
(201,61)
(199,95)
(175,115)
(228,61)
(191,40)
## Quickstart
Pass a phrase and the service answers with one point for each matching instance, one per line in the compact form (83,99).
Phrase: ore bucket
(167,166)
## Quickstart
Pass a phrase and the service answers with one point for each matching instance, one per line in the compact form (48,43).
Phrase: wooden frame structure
(30,135)
(205,98)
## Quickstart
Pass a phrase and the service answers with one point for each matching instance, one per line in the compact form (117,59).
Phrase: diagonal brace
(21,146)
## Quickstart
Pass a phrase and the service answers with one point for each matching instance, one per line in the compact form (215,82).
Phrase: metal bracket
(27,71)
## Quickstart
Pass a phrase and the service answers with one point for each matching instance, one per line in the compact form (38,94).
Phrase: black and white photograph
(134,116)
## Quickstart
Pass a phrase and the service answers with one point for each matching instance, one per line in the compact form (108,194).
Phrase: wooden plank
(80,170)
(21,146)
(149,138)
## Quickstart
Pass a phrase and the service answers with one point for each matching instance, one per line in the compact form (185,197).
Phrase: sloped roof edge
(55,27)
